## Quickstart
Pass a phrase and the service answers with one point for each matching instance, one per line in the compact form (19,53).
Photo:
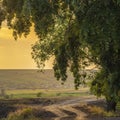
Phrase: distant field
(33,83)
(32,79)
(14,94)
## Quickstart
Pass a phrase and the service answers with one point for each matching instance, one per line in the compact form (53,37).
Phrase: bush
(58,94)
(39,94)
(6,96)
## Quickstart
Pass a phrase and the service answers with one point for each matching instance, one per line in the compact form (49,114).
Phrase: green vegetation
(31,83)
(118,106)
(15,94)
(77,33)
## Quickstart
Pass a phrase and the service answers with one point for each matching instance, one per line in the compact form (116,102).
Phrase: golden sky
(17,54)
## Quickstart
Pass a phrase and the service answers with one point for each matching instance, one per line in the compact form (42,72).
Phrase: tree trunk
(111,105)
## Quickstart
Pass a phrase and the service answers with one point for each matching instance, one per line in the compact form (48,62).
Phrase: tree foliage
(76,33)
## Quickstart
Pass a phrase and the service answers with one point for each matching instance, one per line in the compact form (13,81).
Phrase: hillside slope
(32,79)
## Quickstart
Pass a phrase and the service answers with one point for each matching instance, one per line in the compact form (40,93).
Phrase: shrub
(58,94)
(39,94)
(6,96)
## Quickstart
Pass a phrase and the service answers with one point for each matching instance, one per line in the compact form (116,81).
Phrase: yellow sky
(17,54)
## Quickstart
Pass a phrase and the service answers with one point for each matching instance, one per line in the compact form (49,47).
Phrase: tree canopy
(76,32)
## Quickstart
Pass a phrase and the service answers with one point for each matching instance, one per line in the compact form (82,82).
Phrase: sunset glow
(17,54)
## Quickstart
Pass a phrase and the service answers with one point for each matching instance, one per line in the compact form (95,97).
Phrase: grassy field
(33,79)
(33,83)
(32,95)
(41,93)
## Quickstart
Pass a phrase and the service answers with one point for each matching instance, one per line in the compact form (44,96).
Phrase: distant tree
(76,33)
(3,93)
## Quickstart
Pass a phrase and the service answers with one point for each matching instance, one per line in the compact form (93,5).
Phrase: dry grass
(23,114)
(95,110)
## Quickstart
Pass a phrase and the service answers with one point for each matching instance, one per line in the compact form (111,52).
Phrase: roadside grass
(23,114)
(95,110)
(101,111)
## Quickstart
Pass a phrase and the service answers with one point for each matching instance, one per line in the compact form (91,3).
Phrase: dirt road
(75,109)
(57,109)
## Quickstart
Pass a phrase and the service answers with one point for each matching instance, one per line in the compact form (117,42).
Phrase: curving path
(74,109)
